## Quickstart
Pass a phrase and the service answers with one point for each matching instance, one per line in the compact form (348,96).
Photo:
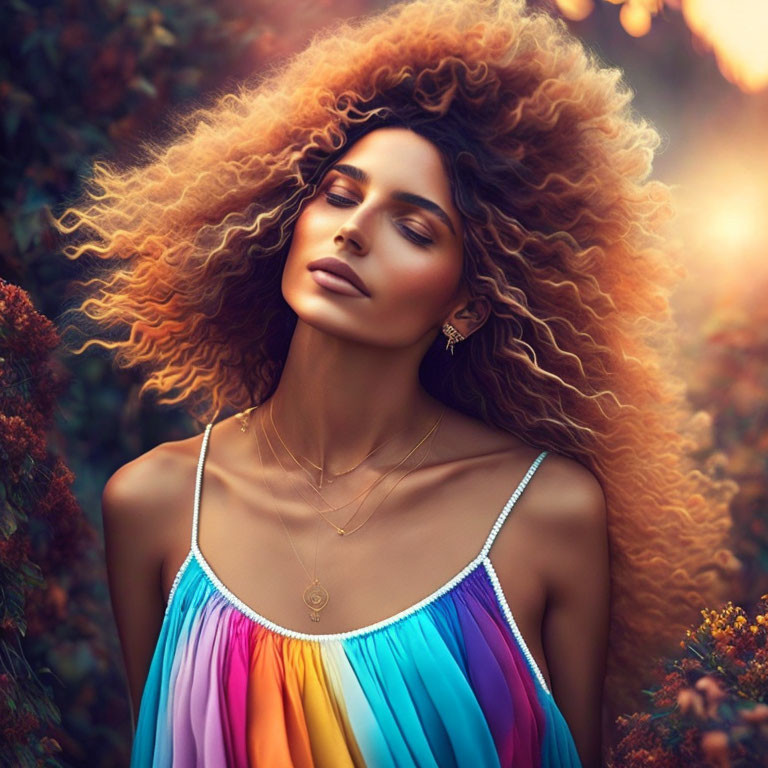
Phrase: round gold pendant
(316,598)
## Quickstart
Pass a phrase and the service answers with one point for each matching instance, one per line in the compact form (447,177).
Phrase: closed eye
(345,202)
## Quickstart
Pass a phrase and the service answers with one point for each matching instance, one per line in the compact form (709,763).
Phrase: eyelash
(343,202)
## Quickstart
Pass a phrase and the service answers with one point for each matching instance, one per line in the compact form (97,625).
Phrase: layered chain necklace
(316,596)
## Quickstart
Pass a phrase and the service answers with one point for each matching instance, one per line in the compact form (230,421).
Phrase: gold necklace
(316,466)
(342,531)
(322,469)
(316,596)
(431,432)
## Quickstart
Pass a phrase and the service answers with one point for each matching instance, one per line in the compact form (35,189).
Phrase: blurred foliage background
(88,79)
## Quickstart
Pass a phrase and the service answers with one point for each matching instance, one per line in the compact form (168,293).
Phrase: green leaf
(33,573)
(8,522)
(24,228)
(142,85)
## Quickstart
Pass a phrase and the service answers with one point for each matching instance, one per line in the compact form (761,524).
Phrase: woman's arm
(134,543)
(576,620)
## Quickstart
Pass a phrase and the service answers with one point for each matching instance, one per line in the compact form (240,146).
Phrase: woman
(422,263)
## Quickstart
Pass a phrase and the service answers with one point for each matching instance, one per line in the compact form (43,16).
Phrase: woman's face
(384,209)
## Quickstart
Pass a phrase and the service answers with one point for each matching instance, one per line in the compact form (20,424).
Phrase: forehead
(401,158)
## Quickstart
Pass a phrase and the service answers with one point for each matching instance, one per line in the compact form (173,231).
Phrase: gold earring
(453,336)
(244,417)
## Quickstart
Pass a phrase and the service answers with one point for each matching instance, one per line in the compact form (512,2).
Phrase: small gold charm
(316,598)
(244,416)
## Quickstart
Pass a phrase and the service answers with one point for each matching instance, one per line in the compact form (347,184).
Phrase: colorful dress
(447,682)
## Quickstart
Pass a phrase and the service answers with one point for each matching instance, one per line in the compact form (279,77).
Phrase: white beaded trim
(512,623)
(325,637)
(511,503)
(198,487)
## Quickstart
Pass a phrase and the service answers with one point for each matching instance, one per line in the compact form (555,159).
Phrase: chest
(413,544)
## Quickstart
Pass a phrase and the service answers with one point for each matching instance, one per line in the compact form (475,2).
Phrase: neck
(337,400)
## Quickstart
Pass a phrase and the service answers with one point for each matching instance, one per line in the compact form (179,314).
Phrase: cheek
(301,238)
(318,221)
(425,281)
(414,297)
(301,228)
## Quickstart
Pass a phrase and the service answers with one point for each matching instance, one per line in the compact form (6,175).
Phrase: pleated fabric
(446,683)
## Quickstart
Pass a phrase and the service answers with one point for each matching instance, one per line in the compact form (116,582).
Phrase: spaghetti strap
(198,485)
(511,503)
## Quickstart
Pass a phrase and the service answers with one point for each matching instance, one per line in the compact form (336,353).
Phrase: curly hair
(563,235)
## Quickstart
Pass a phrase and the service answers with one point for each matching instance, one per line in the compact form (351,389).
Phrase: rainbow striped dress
(447,682)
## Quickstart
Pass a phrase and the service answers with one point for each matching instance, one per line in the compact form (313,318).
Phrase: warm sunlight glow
(733,227)
(723,212)
(722,207)
(736,31)
(635,18)
(575,10)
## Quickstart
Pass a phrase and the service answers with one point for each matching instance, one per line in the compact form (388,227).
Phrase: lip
(341,269)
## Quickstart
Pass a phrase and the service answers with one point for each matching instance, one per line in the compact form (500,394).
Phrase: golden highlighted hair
(548,167)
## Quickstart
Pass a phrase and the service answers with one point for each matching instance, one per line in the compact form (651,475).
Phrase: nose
(350,233)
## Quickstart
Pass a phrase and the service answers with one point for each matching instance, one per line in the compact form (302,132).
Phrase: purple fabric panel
(537,719)
(500,675)
(485,674)
(183,736)
(197,734)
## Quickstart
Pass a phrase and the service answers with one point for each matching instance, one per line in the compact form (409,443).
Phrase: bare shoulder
(563,498)
(567,495)
(141,502)
(562,490)
(144,495)
(563,504)
(563,517)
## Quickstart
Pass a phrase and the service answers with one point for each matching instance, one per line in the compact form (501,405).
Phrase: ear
(469,313)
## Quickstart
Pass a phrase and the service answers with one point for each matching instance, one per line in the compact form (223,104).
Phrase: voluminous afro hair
(563,235)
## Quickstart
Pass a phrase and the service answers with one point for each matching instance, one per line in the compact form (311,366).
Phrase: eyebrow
(358,174)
